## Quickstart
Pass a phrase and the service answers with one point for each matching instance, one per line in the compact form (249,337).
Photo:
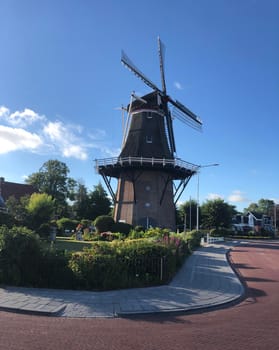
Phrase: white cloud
(12,139)
(213,196)
(237,197)
(75,151)
(178,86)
(20,118)
(49,137)
(4,112)
(65,139)
(55,131)
(98,141)
(98,134)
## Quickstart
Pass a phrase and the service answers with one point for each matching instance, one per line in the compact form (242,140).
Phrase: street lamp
(198,187)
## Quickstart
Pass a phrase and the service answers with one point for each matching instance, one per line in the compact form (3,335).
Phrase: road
(251,324)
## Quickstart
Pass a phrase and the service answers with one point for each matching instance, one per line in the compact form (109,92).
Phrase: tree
(263,207)
(216,214)
(81,206)
(100,204)
(40,207)
(53,180)
(16,210)
(188,213)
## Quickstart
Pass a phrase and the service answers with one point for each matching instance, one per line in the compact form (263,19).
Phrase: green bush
(104,223)
(54,271)
(6,219)
(123,264)
(98,271)
(20,256)
(105,265)
(135,234)
(121,227)
(139,228)
(86,222)
(156,233)
(99,248)
(66,224)
(44,230)
(194,239)
(24,263)
(90,236)
(140,247)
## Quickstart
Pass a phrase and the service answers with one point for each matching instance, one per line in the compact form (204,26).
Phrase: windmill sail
(130,65)
(170,133)
(161,48)
(185,115)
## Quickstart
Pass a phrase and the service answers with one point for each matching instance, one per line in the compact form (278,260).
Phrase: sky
(62,83)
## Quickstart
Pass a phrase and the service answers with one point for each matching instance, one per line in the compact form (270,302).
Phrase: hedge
(107,265)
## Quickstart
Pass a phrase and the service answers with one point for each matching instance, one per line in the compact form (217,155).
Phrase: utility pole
(198,188)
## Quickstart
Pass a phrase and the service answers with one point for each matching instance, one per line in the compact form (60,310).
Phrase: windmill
(150,177)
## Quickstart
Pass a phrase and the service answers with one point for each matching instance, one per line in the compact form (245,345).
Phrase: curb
(54,313)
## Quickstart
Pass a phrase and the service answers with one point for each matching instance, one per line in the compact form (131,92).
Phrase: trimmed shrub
(125,264)
(121,227)
(98,271)
(66,224)
(103,223)
(54,271)
(20,256)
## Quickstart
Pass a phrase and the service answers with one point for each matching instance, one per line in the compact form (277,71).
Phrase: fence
(176,162)
(154,268)
(212,240)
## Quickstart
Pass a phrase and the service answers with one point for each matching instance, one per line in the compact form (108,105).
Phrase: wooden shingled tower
(150,177)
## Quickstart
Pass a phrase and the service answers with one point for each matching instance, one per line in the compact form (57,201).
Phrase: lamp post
(198,187)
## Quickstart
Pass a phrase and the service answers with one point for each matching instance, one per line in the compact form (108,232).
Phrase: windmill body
(146,169)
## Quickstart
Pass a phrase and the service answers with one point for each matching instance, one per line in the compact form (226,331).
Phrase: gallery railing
(143,161)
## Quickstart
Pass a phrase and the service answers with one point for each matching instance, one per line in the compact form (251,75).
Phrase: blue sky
(61,81)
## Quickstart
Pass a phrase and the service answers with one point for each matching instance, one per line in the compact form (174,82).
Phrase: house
(252,222)
(259,221)
(8,189)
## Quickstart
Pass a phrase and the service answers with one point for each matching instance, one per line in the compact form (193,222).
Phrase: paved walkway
(205,280)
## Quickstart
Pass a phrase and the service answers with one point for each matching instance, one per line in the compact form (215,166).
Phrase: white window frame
(148,139)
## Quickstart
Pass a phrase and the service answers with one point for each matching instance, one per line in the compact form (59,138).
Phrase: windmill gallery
(150,177)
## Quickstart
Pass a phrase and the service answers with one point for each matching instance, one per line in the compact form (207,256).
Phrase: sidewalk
(205,280)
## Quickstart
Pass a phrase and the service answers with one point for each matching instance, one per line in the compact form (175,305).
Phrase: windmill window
(148,139)
(147,205)
(149,115)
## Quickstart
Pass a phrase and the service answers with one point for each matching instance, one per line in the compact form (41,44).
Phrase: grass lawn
(71,245)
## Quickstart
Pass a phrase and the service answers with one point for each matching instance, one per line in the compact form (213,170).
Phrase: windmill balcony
(113,166)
